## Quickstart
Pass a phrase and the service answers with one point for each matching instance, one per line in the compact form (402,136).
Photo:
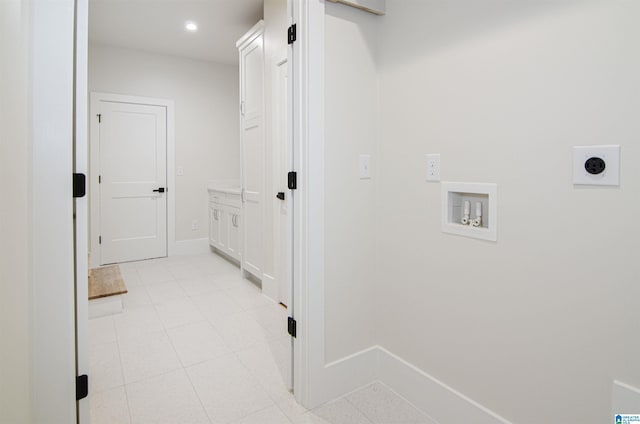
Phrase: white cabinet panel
(224,223)
(251,54)
(212,233)
(233,231)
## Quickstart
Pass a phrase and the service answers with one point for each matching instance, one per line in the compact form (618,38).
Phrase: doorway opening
(188,309)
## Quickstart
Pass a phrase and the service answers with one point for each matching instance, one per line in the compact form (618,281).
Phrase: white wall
(15,305)
(206,113)
(275,30)
(537,325)
(350,130)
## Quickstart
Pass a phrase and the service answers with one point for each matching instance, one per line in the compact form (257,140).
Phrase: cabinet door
(212,237)
(215,225)
(233,245)
(224,232)
(252,155)
(252,79)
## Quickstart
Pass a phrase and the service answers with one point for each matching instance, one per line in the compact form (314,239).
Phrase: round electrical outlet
(594,165)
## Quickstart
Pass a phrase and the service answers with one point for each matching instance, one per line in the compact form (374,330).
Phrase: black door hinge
(82,386)
(99,239)
(99,179)
(79,185)
(291,34)
(292,180)
(291,327)
(99,117)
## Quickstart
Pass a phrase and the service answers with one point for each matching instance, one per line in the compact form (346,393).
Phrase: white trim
(96,97)
(270,287)
(277,169)
(249,36)
(191,247)
(81,233)
(308,202)
(377,7)
(425,392)
(438,400)
(625,399)
(53,345)
(348,374)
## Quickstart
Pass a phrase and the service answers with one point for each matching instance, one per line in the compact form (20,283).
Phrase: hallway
(198,344)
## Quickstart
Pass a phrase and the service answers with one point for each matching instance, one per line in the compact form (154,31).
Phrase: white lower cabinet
(233,232)
(224,223)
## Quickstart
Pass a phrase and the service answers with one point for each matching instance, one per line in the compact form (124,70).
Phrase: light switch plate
(608,159)
(433,167)
(365,167)
(180,171)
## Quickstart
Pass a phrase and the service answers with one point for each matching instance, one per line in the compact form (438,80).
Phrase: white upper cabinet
(250,48)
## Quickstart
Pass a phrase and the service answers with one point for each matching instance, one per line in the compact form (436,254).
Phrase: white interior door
(133,177)
(282,166)
(252,155)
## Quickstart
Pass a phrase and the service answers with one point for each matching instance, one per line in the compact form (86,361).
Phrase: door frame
(81,204)
(277,173)
(94,151)
(52,344)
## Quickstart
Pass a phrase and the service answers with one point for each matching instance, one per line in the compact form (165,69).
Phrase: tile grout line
(124,383)
(420,411)
(269,394)
(197,394)
(364,414)
(233,352)
(256,381)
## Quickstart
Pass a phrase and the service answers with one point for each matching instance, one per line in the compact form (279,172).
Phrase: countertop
(226,190)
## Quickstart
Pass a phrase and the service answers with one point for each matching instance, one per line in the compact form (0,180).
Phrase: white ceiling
(158,26)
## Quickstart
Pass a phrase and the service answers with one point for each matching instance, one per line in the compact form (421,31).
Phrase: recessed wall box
(483,206)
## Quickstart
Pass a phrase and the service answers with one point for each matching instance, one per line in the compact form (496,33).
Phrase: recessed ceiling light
(191,26)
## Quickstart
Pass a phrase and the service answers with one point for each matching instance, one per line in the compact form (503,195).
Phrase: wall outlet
(365,167)
(433,167)
(180,171)
(195,225)
(596,165)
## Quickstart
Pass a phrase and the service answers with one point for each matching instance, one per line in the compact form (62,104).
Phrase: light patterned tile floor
(196,343)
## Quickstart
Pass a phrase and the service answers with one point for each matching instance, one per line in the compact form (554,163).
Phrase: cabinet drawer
(232,200)
(228,199)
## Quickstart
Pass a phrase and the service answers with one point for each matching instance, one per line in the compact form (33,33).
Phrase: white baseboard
(270,287)
(190,247)
(442,403)
(348,374)
(625,399)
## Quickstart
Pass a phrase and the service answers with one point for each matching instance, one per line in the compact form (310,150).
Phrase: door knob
(280,195)
(159,190)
